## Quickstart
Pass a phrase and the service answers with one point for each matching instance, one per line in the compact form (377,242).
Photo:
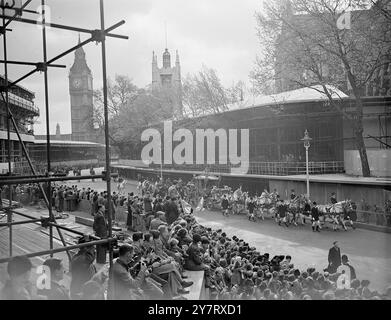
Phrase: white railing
(267,168)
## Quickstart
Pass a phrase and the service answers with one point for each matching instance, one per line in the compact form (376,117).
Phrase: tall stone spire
(80,63)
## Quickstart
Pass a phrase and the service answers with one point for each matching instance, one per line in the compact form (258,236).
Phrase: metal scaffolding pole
(33,179)
(107,142)
(46,84)
(9,213)
(65,248)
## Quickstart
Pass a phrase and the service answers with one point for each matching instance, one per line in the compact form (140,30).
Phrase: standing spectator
(61,199)
(101,230)
(92,173)
(106,205)
(129,219)
(148,211)
(334,258)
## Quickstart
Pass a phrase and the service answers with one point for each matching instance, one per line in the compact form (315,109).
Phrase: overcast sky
(220,34)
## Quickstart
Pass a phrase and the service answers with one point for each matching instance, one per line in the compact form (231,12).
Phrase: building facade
(81,94)
(21,102)
(166,81)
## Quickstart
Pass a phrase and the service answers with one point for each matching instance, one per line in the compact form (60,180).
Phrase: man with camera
(125,286)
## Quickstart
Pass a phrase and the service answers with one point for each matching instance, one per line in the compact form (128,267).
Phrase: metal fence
(266,168)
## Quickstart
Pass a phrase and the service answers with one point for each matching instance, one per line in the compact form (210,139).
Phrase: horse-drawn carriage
(338,214)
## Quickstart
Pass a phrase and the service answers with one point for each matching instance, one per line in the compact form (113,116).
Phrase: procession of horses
(297,211)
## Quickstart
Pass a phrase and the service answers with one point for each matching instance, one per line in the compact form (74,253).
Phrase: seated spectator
(194,260)
(18,286)
(57,291)
(82,268)
(125,286)
(158,221)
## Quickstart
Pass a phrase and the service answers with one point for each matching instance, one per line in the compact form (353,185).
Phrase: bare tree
(308,42)
(120,93)
(203,93)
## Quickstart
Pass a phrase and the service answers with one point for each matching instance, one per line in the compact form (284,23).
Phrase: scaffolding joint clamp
(98,35)
(42,67)
(45,222)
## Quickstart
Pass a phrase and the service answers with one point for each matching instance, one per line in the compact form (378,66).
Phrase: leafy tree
(131,110)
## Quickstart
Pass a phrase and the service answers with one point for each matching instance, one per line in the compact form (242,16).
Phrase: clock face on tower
(76,83)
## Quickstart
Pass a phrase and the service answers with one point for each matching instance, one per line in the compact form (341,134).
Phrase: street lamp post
(161,163)
(307,145)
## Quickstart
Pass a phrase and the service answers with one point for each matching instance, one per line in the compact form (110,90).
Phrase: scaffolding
(98,36)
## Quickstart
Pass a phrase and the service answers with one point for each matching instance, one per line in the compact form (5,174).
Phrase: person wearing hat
(334,258)
(82,268)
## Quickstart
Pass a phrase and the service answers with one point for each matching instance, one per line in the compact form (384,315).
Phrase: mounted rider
(333,198)
(293,194)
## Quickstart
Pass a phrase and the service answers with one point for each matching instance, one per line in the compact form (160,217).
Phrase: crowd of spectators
(153,264)
(164,241)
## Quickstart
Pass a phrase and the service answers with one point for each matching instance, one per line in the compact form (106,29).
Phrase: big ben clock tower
(81,92)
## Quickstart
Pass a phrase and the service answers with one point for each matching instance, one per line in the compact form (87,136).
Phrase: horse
(346,211)
(239,204)
(121,185)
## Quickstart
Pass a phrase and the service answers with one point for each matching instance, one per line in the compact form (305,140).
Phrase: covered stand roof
(63,143)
